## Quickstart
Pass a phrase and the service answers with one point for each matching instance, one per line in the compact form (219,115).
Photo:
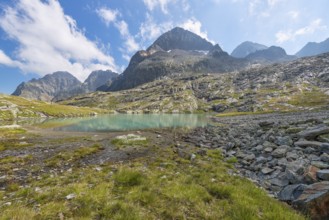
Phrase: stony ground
(286,154)
(149,174)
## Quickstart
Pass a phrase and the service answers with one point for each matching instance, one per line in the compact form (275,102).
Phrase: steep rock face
(246,48)
(46,88)
(162,64)
(178,38)
(271,55)
(312,48)
(95,80)
(176,52)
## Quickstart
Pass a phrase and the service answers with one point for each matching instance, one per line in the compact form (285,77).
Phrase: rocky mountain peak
(98,78)
(246,48)
(216,51)
(312,48)
(61,84)
(179,38)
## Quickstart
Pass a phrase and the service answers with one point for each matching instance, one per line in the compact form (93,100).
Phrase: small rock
(159,136)
(312,133)
(259,148)
(250,157)
(323,174)
(310,175)
(268,150)
(305,144)
(324,157)
(291,192)
(269,144)
(279,182)
(292,156)
(325,148)
(267,170)
(7,204)
(266,123)
(279,152)
(313,157)
(70,196)
(320,164)
(284,141)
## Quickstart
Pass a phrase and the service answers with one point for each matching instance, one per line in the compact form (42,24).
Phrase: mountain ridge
(246,48)
(313,48)
(60,85)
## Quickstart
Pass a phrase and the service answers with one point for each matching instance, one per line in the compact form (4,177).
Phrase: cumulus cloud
(112,16)
(195,26)
(150,30)
(50,41)
(287,35)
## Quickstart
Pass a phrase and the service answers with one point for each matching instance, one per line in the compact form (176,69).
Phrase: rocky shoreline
(286,154)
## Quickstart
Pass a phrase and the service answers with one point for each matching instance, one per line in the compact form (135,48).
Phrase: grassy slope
(31,108)
(161,186)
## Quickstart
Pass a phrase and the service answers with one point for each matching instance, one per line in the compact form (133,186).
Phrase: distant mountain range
(246,48)
(61,85)
(312,48)
(177,52)
(181,52)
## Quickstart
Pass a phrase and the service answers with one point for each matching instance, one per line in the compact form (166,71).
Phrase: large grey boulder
(314,200)
(291,192)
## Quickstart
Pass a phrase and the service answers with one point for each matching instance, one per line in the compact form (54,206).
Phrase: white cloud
(194,26)
(162,4)
(50,41)
(316,25)
(252,6)
(123,28)
(273,3)
(112,16)
(5,60)
(293,14)
(109,16)
(149,30)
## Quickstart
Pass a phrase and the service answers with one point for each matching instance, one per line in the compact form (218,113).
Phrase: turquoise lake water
(126,122)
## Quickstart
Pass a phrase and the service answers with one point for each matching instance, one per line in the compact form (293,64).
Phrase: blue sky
(38,37)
